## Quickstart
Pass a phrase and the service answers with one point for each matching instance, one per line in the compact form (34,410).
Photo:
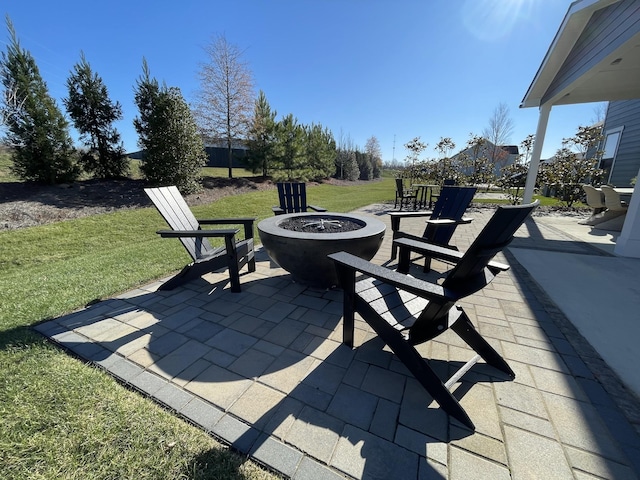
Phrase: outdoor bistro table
(424,194)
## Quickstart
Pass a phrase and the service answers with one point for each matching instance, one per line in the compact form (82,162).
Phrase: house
(504,155)
(218,156)
(594,57)
(621,142)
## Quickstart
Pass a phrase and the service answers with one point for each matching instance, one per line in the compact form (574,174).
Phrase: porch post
(628,243)
(543,119)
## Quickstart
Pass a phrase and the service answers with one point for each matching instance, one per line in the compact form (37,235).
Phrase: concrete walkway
(265,372)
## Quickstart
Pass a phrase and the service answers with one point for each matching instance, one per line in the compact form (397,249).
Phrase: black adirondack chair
(404,195)
(233,255)
(405,311)
(293,199)
(447,214)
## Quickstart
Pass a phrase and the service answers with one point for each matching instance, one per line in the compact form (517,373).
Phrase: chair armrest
(317,209)
(423,213)
(230,232)
(429,249)
(397,216)
(449,221)
(227,221)
(440,253)
(246,221)
(277,210)
(409,284)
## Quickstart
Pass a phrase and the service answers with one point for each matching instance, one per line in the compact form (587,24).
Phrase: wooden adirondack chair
(293,199)
(234,255)
(447,214)
(405,311)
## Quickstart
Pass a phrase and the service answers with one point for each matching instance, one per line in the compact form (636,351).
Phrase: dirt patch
(28,204)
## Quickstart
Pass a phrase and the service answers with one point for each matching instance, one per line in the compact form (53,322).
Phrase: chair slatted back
(594,197)
(496,235)
(612,199)
(451,205)
(293,197)
(178,215)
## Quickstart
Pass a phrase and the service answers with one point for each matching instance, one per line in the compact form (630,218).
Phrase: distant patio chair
(404,195)
(612,200)
(595,198)
(206,258)
(293,199)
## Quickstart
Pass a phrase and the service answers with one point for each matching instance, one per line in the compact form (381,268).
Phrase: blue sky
(390,69)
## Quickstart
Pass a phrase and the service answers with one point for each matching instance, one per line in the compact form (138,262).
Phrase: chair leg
(395,228)
(465,330)
(414,362)
(347,280)
(234,271)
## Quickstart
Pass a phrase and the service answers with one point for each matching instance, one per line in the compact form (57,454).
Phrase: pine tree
(93,114)
(36,128)
(261,137)
(174,152)
(320,152)
(290,138)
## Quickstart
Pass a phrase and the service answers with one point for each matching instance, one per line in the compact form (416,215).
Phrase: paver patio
(265,371)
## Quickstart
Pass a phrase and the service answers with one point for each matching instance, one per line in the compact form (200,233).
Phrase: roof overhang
(615,77)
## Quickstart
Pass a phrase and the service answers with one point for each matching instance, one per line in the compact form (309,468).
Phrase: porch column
(628,243)
(541,131)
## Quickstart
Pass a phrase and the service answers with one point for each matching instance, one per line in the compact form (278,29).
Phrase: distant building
(218,156)
(509,154)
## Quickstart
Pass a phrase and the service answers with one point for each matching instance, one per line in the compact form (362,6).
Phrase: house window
(610,149)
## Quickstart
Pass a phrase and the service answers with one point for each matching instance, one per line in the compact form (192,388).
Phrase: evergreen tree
(346,164)
(174,152)
(365,165)
(93,115)
(320,152)
(36,128)
(261,137)
(290,147)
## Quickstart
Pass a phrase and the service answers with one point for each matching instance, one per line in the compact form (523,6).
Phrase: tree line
(172,135)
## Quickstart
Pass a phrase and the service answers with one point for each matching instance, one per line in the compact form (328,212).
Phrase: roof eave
(572,26)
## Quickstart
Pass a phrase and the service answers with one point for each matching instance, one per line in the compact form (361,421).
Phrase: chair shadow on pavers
(267,375)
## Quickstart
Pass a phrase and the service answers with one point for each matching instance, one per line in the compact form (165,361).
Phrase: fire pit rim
(371,226)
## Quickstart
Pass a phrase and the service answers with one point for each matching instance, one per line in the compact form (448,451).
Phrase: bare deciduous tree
(225,101)
(498,132)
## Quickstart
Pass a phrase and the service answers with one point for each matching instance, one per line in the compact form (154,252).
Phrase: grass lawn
(64,419)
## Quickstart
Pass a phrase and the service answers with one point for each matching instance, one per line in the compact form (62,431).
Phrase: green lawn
(64,419)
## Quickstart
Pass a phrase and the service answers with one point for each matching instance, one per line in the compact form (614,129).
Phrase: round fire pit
(300,242)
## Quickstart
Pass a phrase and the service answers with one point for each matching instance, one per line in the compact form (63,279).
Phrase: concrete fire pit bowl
(304,253)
